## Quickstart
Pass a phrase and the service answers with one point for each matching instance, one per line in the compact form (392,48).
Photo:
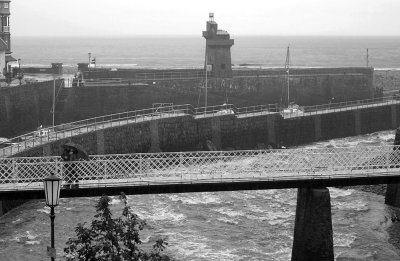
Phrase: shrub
(112,239)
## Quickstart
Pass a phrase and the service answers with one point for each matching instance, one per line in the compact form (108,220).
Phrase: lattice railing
(27,173)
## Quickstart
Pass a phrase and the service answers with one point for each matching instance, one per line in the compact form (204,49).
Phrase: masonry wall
(186,133)
(307,86)
(23,108)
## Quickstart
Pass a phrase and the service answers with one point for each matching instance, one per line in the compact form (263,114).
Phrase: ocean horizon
(188,51)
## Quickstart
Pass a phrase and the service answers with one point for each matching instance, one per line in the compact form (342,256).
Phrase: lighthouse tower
(218,50)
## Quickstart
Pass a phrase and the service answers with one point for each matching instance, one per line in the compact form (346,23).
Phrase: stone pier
(313,235)
(392,196)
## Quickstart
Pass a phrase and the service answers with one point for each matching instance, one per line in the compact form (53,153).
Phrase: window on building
(222,66)
(5,5)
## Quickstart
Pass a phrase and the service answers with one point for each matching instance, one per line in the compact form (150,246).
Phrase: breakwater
(308,86)
(24,108)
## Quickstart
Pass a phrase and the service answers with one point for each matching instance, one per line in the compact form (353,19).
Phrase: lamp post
(19,74)
(52,185)
(90,56)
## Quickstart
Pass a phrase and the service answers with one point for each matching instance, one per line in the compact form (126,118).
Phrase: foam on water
(343,240)
(229,212)
(336,193)
(161,214)
(357,205)
(191,199)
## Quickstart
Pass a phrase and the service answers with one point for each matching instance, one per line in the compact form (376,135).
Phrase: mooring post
(392,196)
(313,235)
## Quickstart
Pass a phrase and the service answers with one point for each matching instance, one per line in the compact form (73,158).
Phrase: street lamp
(20,75)
(52,185)
(90,56)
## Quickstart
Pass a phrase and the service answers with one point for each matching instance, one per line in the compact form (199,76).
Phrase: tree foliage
(112,239)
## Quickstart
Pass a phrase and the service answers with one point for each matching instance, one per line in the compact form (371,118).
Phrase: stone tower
(218,50)
(5,26)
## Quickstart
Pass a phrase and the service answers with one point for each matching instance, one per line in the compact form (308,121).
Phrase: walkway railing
(61,131)
(133,77)
(197,167)
(45,135)
(340,106)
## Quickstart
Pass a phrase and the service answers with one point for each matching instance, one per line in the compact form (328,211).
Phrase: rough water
(241,225)
(188,51)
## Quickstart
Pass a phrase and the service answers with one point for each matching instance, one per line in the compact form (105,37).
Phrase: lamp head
(52,185)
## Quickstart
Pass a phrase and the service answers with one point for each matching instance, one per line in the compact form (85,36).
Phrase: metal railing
(42,136)
(230,109)
(340,106)
(132,77)
(32,139)
(45,135)
(195,167)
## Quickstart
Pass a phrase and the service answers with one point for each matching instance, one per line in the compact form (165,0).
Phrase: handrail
(25,141)
(41,136)
(143,76)
(340,106)
(217,166)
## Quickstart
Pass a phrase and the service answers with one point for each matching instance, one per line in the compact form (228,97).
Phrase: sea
(240,225)
(188,51)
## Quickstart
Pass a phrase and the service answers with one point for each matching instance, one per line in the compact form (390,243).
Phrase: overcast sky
(188,17)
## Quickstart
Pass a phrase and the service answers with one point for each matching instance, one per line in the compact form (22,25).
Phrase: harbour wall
(307,86)
(245,90)
(23,108)
(187,133)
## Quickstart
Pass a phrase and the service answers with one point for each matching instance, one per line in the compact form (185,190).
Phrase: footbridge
(21,178)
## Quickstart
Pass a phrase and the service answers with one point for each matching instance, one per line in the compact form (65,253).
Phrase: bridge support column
(313,236)
(393,110)
(155,139)
(271,129)
(100,142)
(216,131)
(392,196)
(317,127)
(357,122)
(8,106)
(47,150)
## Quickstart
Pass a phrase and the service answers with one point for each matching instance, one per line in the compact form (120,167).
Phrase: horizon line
(200,36)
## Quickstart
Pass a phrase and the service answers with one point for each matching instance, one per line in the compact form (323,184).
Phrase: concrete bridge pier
(392,196)
(313,235)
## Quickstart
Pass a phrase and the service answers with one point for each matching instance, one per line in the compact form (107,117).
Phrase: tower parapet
(218,49)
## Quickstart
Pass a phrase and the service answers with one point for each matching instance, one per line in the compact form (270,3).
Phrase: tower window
(223,66)
(5,5)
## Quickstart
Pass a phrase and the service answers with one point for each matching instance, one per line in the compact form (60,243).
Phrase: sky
(187,17)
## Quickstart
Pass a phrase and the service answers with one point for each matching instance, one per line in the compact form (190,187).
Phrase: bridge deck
(205,171)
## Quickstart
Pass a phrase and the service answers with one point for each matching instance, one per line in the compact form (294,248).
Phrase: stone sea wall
(186,133)
(23,108)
